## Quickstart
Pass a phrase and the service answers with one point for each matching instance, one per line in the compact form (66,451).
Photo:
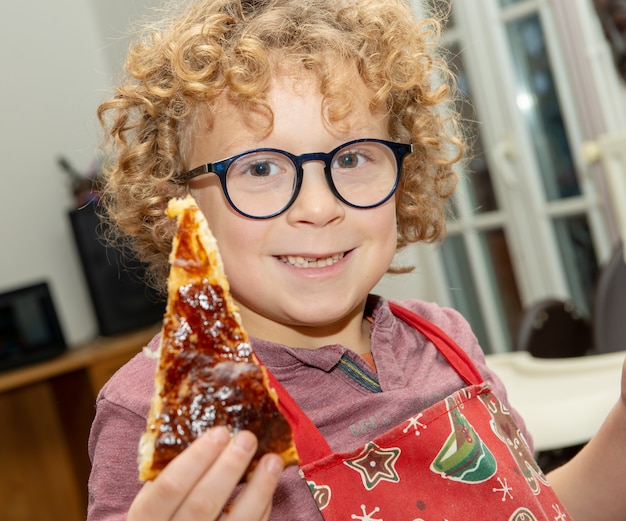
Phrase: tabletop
(562,400)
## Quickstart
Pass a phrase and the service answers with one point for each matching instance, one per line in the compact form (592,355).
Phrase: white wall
(57,62)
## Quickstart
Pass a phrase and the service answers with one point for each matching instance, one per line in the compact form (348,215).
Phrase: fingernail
(274,465)
(245,441)
(220,435)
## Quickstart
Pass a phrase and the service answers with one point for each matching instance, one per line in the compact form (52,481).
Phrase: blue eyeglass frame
(220,168)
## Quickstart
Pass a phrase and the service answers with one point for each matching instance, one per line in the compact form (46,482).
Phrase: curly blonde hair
(176,69)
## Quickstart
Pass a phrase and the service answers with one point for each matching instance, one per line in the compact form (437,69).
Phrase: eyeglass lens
(262,183)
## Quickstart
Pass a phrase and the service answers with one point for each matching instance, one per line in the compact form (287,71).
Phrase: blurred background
(537,213)
(533,257)
(59,60)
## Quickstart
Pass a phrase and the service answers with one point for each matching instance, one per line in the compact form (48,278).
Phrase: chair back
(609,313)
(553,328)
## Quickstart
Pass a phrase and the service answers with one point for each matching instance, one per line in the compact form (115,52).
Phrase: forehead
(344,106)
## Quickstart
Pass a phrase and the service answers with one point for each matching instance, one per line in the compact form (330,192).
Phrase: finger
(214,489)
(255,500)
(161,498)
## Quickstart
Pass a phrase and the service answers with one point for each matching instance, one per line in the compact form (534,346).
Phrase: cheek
(381,230)
(385,226)
(222,219)
(238,239)
(218,215)
(389,248)
(208,194)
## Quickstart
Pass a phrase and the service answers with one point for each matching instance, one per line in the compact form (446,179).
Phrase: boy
(332,125)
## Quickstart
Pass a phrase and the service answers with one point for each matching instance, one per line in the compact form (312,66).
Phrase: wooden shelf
(100,349)
(46,411)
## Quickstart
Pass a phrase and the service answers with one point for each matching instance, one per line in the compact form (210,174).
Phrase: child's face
(282,298)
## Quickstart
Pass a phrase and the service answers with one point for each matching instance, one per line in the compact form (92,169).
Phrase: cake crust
(207,374)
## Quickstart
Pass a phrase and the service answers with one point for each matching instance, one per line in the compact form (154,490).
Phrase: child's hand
(199,482)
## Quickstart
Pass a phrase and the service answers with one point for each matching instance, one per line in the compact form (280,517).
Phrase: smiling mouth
(311,262)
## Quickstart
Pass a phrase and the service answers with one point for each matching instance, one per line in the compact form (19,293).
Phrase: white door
(528,220)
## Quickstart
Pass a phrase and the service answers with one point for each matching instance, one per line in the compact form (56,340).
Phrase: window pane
(509,302)
(581,265)
(481,193)
(537,99)
(465,298)
(502,286)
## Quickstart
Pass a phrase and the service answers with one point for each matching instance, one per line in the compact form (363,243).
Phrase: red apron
(462,458)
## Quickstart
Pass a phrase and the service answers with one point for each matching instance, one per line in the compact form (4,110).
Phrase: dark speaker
(29,327)
(121,300)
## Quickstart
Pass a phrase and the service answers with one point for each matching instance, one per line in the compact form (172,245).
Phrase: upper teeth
(311,262)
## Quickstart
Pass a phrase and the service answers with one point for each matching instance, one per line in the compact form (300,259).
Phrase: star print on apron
(463,458)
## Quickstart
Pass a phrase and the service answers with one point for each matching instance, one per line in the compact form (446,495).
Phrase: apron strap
(311,445)
(450,350)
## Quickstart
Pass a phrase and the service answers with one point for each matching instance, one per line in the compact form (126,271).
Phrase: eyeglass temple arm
(187,176)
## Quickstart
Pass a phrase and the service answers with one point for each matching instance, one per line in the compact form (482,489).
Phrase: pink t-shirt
(349,402)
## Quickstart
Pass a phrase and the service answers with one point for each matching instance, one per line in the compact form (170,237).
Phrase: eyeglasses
(265,182)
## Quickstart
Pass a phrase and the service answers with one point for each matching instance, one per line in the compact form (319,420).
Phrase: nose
(316,204)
